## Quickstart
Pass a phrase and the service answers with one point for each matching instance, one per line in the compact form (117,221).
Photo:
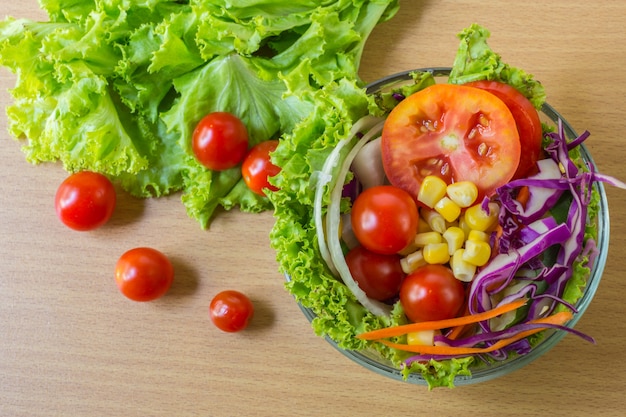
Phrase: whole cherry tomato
(432,293)
(220,141)
(85,200)
(378,275)
(384,219)
(144,274)
(257,167)
(231,311)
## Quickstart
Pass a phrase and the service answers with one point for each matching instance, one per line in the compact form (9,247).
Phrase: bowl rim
(487,372)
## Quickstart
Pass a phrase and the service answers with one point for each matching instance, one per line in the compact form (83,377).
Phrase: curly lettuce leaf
(116,86)
(475,61)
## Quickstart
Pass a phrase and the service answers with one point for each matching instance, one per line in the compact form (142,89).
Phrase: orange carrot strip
(558,318)
(523,195)
(440,324)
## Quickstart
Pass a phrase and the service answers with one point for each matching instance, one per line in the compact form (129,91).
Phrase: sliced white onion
(325,177)
(368,165)
(332,229)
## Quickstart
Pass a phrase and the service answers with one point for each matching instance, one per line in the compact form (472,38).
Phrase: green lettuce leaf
(116,86)
(475,61)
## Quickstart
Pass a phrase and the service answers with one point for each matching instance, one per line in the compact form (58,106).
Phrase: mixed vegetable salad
(442,225)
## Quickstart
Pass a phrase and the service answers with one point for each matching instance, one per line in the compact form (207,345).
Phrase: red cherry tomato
(527,120)
(453,131)
(384,219)
(257,167)
(220,141)
(431,293)
(379,276)
(85,200)
(144,274)
(231,311)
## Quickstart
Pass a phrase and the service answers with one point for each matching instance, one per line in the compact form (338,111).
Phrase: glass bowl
(374,362)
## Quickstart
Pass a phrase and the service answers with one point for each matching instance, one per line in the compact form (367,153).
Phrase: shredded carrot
(457,331)
(523,195)
(558,318)
(440,324)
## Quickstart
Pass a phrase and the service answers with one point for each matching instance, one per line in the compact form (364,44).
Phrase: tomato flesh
(257,167)
(231,311)
(384,219)
(432,293)
(220,141)
(456,132)
(85,200)
(527,121)
(379,276)
(144,274)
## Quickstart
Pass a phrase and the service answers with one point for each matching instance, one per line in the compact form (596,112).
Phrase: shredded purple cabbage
(521,249)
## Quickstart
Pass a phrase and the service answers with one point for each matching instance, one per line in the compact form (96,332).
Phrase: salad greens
(117,86)
(337,313)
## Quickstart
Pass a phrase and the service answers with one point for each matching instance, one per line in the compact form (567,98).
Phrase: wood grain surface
(71,345)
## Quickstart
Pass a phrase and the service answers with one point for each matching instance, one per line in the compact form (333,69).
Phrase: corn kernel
(464,226)
(436,253)
(435,220)
(423,239)
(463,193)
(462,270)
(455,238)
(478,236)
(448,209)
(412,262)
(476,252)
(421,338)
(478,219)
(431,190)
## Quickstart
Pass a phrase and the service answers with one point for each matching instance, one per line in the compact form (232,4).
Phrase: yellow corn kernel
(462,270)
(421,338)
(431,190)
(455,238)
(412,262)
(436,253)
(448,209)
(434,219)
(478,236)
(423,239)
(463,225)
(463,193)
(476,252)
(478,219)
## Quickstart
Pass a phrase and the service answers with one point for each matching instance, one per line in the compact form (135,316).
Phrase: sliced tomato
(527,121)
(455,132)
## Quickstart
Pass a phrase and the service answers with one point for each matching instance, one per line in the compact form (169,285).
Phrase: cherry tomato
(257,167)
(231,311)
(379,276)
(453,131)
(220,141)
(144,274)
(431,293)
(527,120)
(85,200)
(384,219)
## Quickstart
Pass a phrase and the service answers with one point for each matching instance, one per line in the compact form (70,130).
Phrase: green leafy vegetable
(117,86)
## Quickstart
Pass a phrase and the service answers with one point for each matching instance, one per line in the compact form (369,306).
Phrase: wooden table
(71,345)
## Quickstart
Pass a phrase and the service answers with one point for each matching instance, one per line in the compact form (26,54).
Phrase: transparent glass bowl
(372,361)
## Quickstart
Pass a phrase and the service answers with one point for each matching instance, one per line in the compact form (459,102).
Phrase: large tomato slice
(526,118)
(456,132)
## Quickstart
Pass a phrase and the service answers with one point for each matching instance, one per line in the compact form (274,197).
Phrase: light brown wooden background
(71,345)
